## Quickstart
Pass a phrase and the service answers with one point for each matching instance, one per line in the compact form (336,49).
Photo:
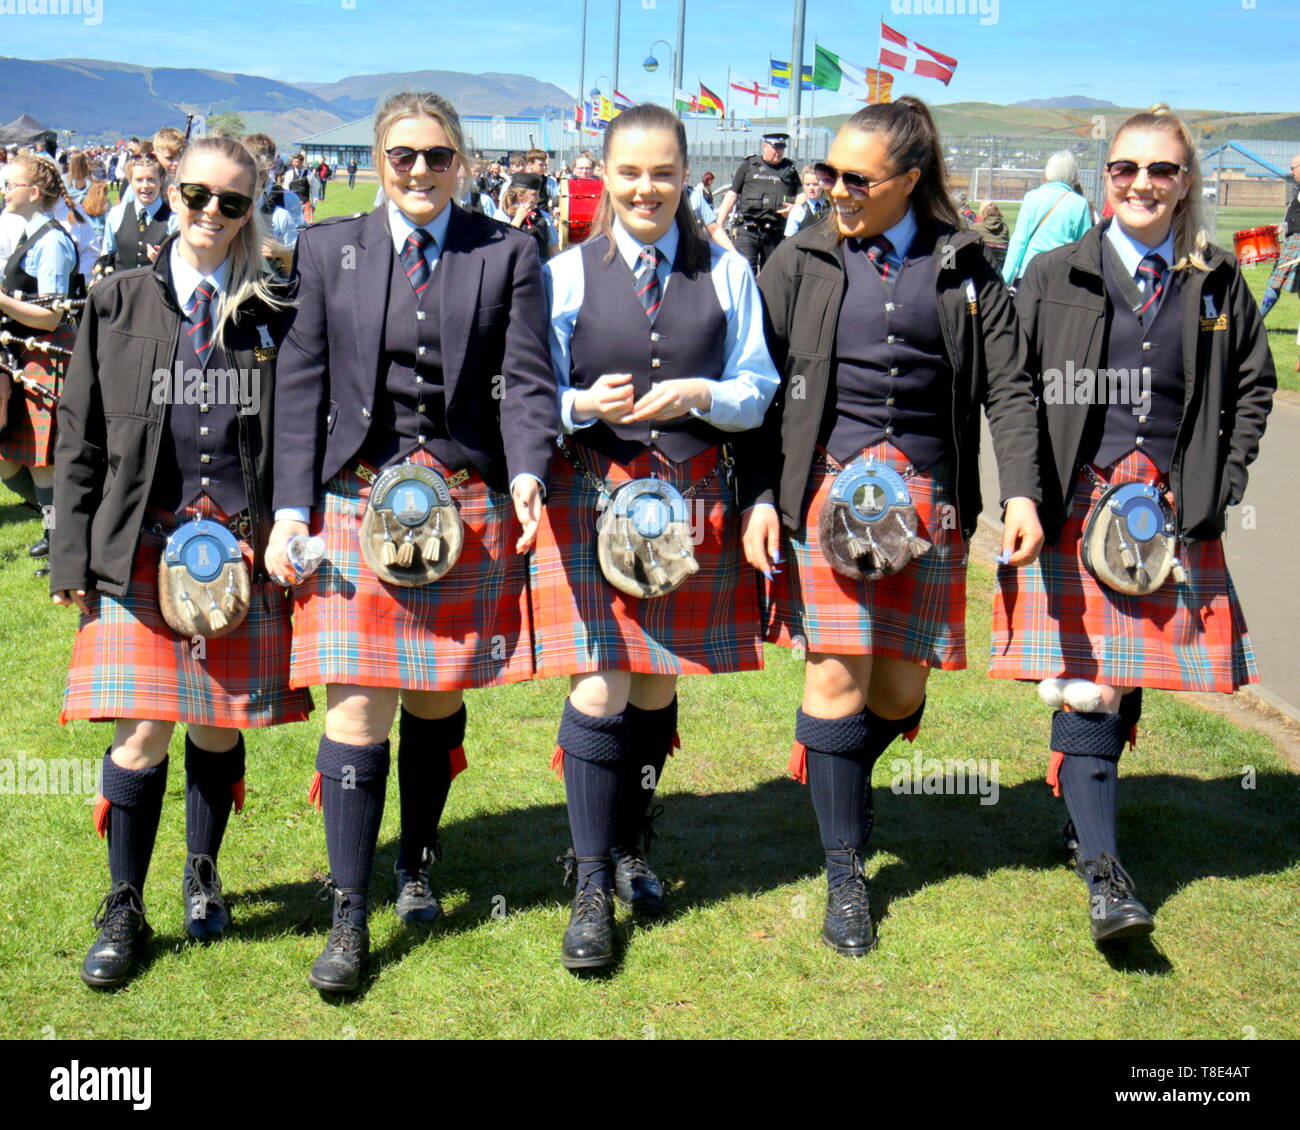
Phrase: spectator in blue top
(1052,215)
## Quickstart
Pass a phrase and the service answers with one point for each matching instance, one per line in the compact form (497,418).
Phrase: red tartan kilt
(28,437)
(1054,619)
(127,663)
(469,629)
(581,623)
(917,614)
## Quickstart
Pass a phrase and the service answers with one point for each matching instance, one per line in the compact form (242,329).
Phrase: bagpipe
(11,365)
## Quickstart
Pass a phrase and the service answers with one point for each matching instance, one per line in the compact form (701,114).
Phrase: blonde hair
(245,280)
(417,104)
(1191,244)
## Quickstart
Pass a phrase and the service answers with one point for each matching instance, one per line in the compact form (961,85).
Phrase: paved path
(1263,552)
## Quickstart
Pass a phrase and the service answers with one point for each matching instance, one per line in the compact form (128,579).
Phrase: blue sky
(1195,54)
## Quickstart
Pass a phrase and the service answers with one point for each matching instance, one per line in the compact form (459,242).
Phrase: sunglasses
(856,183)
(438,158)
(233,205)
(1159,172)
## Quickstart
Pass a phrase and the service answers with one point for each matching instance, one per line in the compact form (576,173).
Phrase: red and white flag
(902,54)
(753,89)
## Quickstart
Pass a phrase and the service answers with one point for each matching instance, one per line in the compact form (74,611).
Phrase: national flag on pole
(606,109)
(684,103)
(830,72)
(902,54)
(710,103)
(779,75)
(752,89)
(622,102)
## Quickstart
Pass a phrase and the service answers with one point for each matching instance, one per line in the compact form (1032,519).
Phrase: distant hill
(1073,102)
(355,97)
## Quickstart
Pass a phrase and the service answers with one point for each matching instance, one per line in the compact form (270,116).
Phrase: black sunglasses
(438,158)
(1124,172)
(856,183)
(232,204)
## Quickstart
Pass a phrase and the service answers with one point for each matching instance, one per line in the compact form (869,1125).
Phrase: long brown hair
(96,201)
(48,181)
(693,249)
(78,169)
(914,143)
(1191,244)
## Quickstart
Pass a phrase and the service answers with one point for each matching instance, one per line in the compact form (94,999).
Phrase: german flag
(710,103)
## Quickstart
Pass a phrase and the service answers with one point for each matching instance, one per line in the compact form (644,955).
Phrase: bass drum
(579,199)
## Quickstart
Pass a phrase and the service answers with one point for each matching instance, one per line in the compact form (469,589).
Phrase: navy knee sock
(1089,776)
(841,755)
(353,782)
(424,779)
(594,752)
(650,736)
(210,781)
(135,797)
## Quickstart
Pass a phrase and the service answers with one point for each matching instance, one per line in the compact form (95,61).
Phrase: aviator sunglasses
(856,183)
(1123,173)
(233,205)
(438,158)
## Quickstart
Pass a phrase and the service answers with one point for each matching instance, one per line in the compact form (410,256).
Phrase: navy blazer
(501,402)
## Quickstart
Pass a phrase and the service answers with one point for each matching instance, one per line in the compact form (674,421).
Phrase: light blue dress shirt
(749,379)
(1131,252)
(799,212)
(53,259)
(702,208)
(401,226)
(186,279)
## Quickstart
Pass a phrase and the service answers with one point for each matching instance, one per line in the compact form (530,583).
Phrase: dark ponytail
(914,143)
(693,249)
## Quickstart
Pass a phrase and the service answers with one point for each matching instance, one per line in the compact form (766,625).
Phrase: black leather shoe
(848,928)
(637,887)
(39,548)
(123,932)
(1114,912)
(417,905)
(43,571)
(206,916)
(338,969)
(589,940)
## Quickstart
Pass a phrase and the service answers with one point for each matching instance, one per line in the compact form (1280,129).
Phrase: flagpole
(812,94)
(681,46)
(796,63)
(582,69)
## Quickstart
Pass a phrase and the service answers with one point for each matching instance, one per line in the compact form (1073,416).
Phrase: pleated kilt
(1286,272)
(127,663)
(917,614)
(1054,618)
(582,623)
(28,437)
(469,629)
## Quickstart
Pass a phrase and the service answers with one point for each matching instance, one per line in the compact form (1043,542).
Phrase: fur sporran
(203,582)
(643,539)
(1129,540)
(869,526)
(411,532)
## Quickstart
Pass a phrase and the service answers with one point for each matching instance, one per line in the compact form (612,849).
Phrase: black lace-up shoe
(637,887)
(848,928)
(1113,909)
(589,940)
(206,916)
(338,969)
(123,932)
(417,905)
(40,548)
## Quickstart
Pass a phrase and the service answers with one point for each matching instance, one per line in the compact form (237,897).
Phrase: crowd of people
(423,453)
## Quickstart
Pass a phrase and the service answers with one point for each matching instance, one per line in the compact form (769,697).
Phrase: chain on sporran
(869,525)
(411,532)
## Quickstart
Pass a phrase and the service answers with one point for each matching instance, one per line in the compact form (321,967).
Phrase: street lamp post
(618,19)
(651,64)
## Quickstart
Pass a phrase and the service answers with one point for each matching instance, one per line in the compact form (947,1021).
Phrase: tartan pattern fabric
(28,437)
(469,629)
(917,614)
(582,623)
(1286,271)
(1055,619)
(127,663)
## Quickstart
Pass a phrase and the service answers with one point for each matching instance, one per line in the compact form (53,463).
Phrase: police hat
(526,180)
(776,138)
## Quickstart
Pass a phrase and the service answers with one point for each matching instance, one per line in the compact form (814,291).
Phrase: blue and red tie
(1151,274)
(413,261)
(647,281)
(199,315)
(877,247)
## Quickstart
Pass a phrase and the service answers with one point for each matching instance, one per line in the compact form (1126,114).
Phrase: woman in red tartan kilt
(1137,291)
(645,298)
(892,331)
(153,434)
(40,338)
(418,346)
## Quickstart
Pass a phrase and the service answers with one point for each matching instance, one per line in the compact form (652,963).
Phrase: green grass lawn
(983,927)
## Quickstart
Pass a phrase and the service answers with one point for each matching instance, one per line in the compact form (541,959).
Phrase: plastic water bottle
(305,554)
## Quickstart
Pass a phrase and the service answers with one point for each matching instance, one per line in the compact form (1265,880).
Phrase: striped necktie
(199,315)
(877,247)
(413,261)
(141,218)
(647,281)
(1151,274)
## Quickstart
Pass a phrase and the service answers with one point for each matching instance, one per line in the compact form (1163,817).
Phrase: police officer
(763,190)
